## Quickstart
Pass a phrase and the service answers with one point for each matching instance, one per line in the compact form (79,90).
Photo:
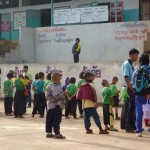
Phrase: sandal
(89,131)
(60,136)
(50,135)
(103,132)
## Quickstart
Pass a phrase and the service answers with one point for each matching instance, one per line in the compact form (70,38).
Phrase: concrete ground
(28,134)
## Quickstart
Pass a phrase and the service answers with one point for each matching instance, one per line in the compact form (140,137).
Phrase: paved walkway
(28,134)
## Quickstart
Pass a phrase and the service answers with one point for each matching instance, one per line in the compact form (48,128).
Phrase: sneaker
(50,135)
(41,116)
(60,136)
(113,129)
(89,131)
(139,134)
(103,132)
(67,117)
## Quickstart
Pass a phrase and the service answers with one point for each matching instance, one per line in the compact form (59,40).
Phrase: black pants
(25,105)
(18,103)
(71,105)
(124,112)
(53,120)
(80,106)
(76,58)
(130,124)
(39,104)
(106,115)
(8,105)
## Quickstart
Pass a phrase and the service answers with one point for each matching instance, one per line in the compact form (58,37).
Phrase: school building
(37,13)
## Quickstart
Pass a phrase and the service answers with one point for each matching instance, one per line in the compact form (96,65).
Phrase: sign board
(19,20)
(81,15)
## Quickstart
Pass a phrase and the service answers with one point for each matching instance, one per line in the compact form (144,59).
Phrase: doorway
(45,17)
(144,9)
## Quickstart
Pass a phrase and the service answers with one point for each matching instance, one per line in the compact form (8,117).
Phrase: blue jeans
(140,100)
(88,112)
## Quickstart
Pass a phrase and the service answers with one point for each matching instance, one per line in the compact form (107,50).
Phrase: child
(55,103)
(48,81)
(19,97)
(33,88)
(115,95)
(27,87)
(40,105)
(107,107)
(125,107)
(88,95)
(81,76)
(71,102)
(8,91)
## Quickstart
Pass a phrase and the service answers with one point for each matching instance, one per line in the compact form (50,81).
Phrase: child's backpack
(141,81)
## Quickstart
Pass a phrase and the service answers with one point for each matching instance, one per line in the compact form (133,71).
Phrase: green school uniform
(80,82)
(8,84)
(124,94)
(71,89)
(46,84)
(106,93)
(19,84)
(113,89)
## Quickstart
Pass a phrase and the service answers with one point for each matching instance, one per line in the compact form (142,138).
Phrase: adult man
(29,75)
(127,72)
(76,50)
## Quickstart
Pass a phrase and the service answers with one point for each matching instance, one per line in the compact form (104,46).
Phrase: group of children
(50,95)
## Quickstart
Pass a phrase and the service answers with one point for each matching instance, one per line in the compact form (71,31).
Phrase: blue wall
(131,15)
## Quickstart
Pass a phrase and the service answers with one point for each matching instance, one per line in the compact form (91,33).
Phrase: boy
(71,102)
(107,106)
(19,97)
(33,88)
(81,76)
(55,103)
(8,91)
(48,81)
(88,95)
(40,105)
(125,107)
(115,95)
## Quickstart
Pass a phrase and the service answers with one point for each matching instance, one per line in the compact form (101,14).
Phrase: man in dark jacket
(76,50)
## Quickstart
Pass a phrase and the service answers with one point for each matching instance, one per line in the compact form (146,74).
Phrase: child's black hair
(115,78)
(26,77)
(144,59)
(104,82)
(72,80)
(133,51)
(88,75)
(41,74)
(37,76)
(81,75)
(10,75)
(49,76)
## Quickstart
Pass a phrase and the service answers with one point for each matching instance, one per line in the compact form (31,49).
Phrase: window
(9,3)
(38,2)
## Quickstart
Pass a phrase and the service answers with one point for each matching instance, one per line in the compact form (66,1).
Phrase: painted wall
(101,71)
(99,42)
(131,12)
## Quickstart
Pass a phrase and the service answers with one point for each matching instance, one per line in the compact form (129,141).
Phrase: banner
(119,11)
(5,26)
